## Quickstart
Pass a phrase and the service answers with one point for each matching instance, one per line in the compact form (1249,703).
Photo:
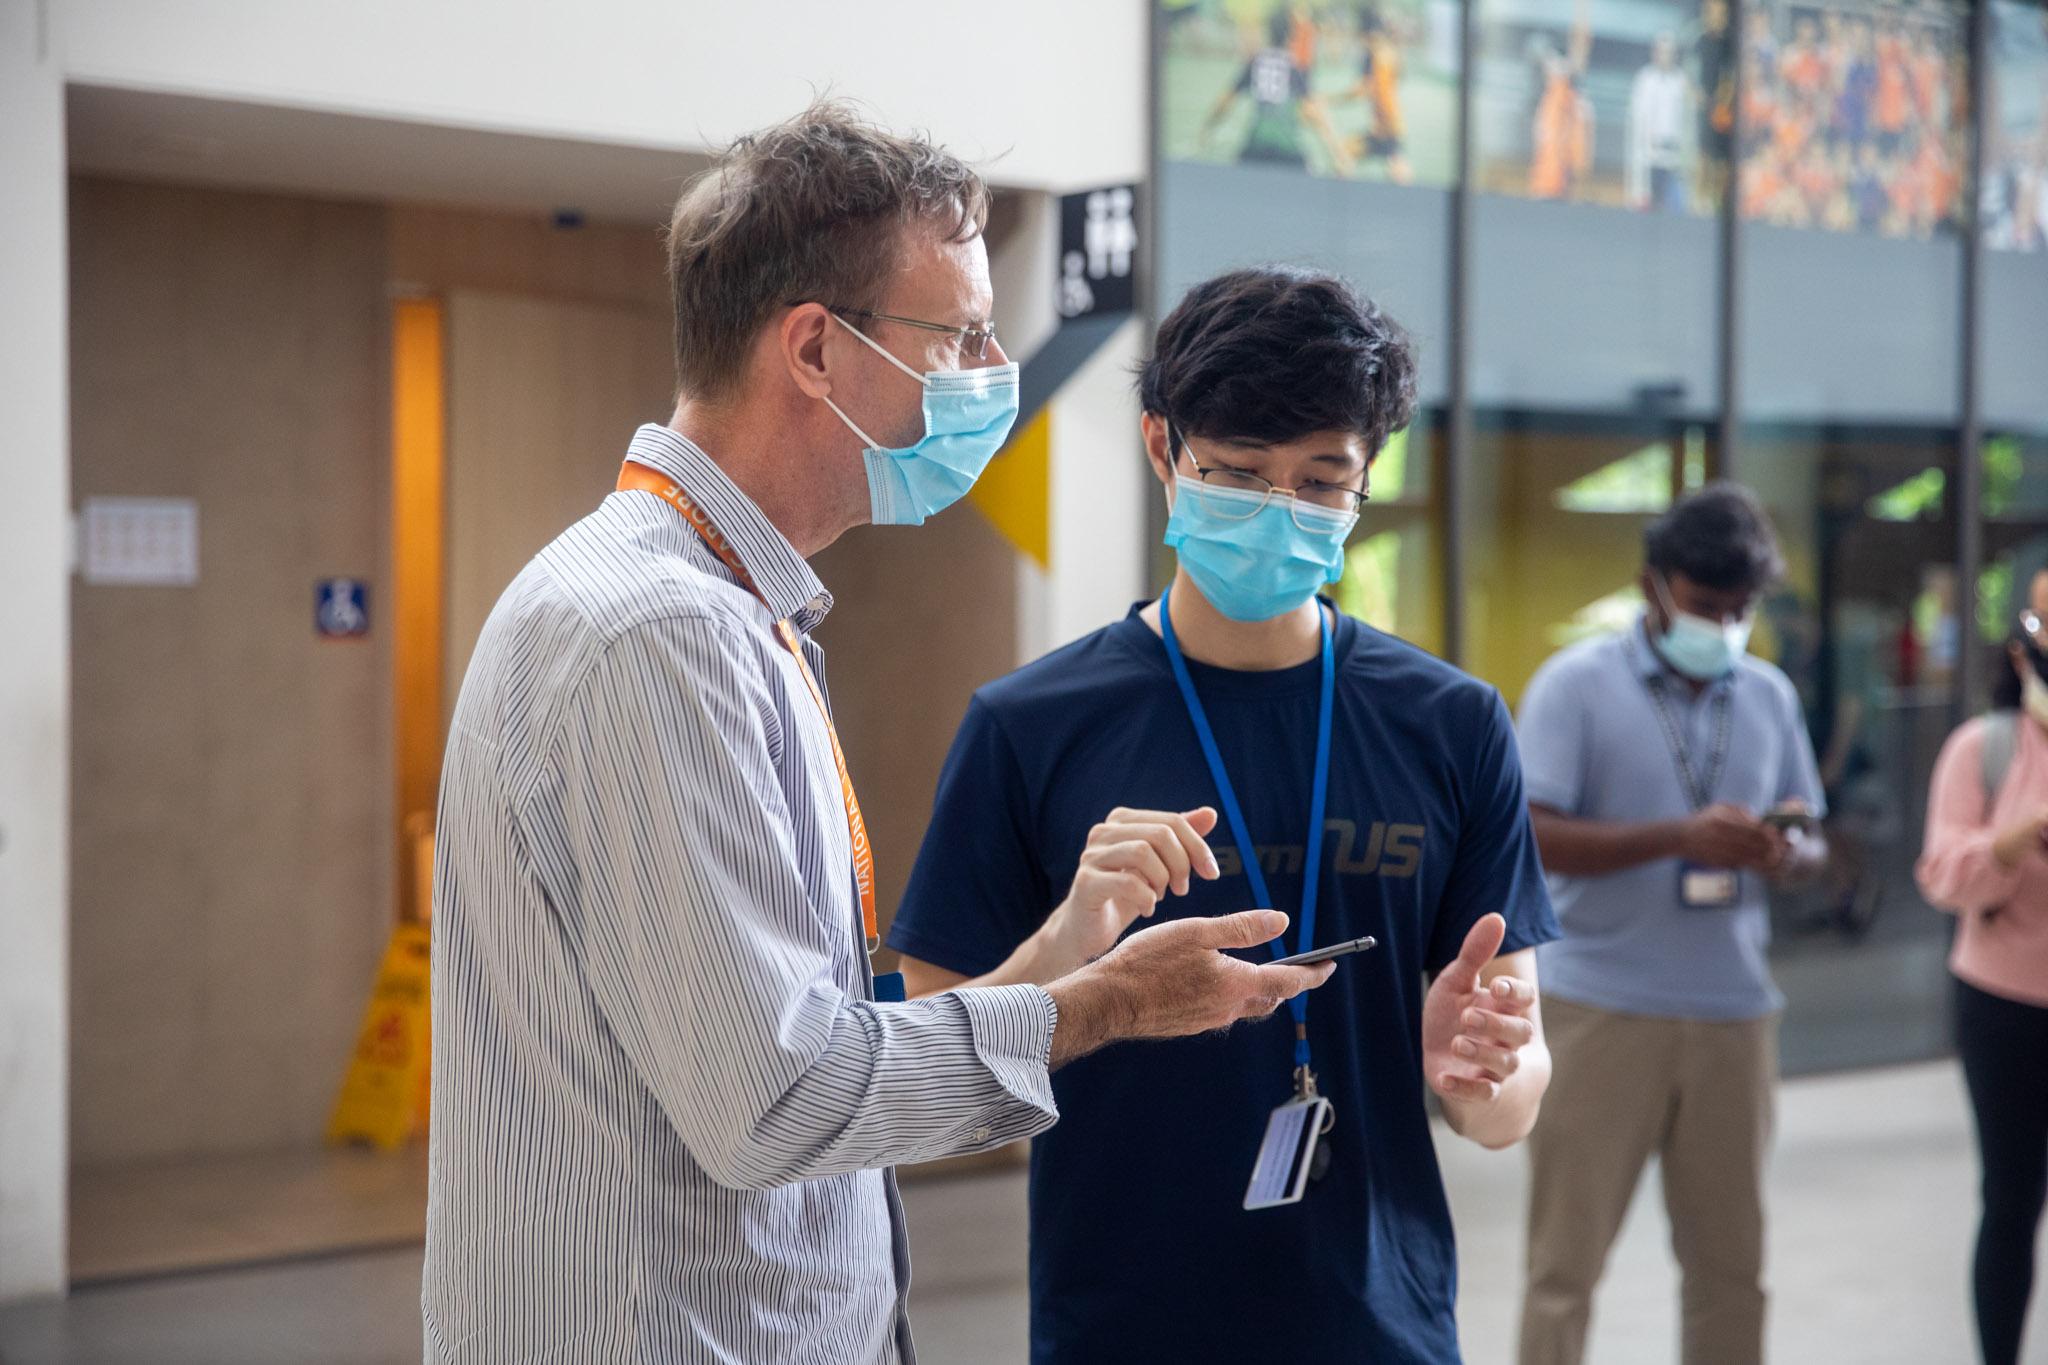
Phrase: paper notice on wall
(141,542)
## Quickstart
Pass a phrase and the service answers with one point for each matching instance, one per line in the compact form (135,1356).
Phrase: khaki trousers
(1700,1095)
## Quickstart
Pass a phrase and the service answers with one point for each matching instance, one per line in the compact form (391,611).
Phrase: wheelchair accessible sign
(341,608)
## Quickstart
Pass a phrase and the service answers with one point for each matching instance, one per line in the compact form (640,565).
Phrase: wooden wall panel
(443,250)
(922,616)
(231,855)
(544,396)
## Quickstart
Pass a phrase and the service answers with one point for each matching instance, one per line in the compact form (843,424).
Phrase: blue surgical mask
(1256,567)
(967,417)
(1702,650)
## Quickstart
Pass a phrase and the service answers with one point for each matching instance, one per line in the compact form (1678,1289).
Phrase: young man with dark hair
(1364,784)
(1670,777)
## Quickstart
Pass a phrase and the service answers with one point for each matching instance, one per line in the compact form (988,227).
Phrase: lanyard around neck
(636,477)
(1699,789)
(1312,865)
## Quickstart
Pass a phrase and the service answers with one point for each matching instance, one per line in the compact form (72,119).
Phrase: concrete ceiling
(150,135)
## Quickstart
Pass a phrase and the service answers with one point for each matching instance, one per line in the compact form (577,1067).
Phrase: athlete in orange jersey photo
(1892,91)
(1379,84)
(1801,67)
(1561,134)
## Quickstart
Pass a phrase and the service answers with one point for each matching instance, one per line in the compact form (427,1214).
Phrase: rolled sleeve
(1013,1028)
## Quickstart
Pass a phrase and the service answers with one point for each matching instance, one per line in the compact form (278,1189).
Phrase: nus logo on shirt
(1390,850)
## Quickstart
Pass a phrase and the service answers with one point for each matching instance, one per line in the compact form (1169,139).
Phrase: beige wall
(233,851)
(544,395)
(921,617)
(230,860)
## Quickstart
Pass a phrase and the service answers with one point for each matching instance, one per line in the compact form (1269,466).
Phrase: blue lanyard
(1313,866)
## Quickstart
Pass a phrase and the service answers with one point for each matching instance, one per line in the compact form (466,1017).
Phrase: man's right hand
(1726,835)
(1174,980)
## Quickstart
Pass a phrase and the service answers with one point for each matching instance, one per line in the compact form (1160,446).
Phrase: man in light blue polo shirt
(1670,777)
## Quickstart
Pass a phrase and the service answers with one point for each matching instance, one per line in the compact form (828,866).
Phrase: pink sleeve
(1957,869)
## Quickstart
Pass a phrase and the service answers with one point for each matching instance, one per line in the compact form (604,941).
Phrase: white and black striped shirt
(663,1100)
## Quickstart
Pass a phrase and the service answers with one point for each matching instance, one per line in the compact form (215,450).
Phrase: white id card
(1707,888)
(1281,1173)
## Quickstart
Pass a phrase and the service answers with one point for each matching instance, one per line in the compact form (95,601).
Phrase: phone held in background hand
(1789,818)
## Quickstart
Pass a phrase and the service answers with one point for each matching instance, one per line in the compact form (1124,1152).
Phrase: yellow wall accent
(419,463)
(1016,489)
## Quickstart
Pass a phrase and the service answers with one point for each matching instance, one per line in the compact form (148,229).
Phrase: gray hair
(808,211)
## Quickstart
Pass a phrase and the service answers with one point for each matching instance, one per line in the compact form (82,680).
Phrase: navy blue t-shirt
(1141,1249)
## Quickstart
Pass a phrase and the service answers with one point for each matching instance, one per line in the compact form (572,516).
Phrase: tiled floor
(1871,1190)
(130,1221)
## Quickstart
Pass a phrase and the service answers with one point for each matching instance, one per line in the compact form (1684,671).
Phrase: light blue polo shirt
(1593,747)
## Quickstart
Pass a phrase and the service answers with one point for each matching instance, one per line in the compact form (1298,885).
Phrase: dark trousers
(2004,1050)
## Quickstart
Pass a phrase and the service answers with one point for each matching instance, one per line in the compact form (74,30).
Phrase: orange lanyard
(638,477)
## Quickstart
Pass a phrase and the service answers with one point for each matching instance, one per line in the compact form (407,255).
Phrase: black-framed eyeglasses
(973,340)
(1328,497)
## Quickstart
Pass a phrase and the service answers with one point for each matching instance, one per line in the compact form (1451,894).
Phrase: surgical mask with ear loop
(1253,555)
(1702,650)
(967,417)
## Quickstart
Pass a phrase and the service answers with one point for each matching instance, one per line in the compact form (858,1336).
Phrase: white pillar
(1022,272)
(34,658)
(1099,486)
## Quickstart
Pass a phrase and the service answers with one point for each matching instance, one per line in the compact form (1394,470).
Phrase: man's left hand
(1472,1035)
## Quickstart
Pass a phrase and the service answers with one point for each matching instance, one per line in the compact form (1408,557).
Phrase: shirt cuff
(1012,1028)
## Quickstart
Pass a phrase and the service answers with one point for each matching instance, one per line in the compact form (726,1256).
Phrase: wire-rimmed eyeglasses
(973,340)
(1324,497)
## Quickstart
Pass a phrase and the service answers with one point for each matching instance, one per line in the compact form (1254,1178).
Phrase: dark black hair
(1280,27)
(1720,537)
(1271,355)
(2005,679)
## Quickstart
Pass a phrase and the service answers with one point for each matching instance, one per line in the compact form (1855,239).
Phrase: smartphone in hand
(1356,945)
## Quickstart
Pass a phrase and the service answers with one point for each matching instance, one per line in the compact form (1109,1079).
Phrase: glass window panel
(1556,505)
(2015,202)
(1392,569)
(1868,625)
(1856,115)
(2015,520)
(1366,90)
(1323,135)
(2013,340)
(1621,102)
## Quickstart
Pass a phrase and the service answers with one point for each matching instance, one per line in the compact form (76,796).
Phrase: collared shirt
(1593,747)
(663,1096)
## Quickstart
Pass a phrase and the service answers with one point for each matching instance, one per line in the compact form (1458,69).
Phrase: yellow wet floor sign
(383,1100)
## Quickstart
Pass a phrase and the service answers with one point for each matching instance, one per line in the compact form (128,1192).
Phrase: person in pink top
(1985,859)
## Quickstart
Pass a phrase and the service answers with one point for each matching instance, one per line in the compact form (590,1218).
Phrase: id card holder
(889,988)
(1707,888)
(1281,1173)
